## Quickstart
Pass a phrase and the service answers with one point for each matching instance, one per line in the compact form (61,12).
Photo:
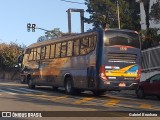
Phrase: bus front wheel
(30,84)
(69,86)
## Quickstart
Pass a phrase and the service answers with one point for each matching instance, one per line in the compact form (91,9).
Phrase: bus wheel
(69,86)
(22,80)
(140,93)
(158,97)
(98,93)
(30,84)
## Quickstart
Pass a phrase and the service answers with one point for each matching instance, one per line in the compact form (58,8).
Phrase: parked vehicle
(150,86)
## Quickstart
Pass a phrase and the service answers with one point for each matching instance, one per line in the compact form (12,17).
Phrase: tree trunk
(146,8)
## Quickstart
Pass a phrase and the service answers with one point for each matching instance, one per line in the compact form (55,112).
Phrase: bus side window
(34,53)
(69,48)
(43,50)
(47,52)
(28,51)
(84,46)
(76,47)
(92,42)
(38,53)
(52,52)
(63,49)
(58,49)
(31,55)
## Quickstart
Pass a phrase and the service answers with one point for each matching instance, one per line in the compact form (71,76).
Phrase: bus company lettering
(22,115)
(143,114)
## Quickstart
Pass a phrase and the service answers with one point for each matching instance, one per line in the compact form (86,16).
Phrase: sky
(46,14)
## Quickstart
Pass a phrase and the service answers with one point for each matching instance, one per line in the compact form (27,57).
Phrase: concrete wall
(9,73)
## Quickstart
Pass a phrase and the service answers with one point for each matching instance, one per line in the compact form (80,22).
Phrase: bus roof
(124,30)
(60,39)
(74,36)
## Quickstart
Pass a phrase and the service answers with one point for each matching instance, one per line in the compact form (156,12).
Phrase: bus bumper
(116,87)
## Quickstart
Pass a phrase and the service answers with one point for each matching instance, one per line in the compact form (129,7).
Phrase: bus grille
(122,57)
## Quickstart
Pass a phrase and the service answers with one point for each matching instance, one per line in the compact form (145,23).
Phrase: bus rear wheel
(30,84)
(69,86)
(140,93)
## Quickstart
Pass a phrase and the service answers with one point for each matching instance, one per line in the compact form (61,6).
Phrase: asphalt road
(16,97)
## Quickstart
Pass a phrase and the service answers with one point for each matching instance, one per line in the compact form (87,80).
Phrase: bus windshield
(121,38)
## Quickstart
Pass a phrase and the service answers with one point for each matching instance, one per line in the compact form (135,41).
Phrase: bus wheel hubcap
(68,87)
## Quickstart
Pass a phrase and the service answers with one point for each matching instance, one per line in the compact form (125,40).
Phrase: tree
(150,38)
(9,54)
(52,34)
(155,12)
(55,33)
(146,8)
(134,8)
(104,13)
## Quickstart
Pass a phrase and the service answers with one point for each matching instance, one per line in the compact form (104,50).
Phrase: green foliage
(150,38)
(9,54)
(52,34)
(104,13)
(155,12)
(134,8)
(55,33)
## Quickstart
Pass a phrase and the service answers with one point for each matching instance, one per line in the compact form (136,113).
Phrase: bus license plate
(122,85)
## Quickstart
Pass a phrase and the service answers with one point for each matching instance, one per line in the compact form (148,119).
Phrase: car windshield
(121,38)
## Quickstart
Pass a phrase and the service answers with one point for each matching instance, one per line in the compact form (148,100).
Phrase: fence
(151,59)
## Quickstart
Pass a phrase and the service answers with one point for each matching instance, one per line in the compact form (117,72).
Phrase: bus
(97,61)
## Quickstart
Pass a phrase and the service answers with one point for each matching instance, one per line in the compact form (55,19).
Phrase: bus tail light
(102,73)
(138,73)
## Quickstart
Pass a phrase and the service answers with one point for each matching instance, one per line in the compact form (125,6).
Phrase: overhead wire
(72,1)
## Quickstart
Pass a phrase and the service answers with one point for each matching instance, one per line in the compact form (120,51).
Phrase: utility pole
(119,22)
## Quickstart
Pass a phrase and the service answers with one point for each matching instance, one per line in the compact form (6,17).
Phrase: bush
(9,54)
(150,38)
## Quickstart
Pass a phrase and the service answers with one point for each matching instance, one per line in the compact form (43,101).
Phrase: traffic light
(31,26)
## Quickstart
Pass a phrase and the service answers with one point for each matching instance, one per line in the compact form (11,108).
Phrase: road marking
(60,97)
(112,102)
(18,90)
(13,84)
(83,100)
(27,89)
(50,98)
(12,93)
(145,106)
(36,95)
